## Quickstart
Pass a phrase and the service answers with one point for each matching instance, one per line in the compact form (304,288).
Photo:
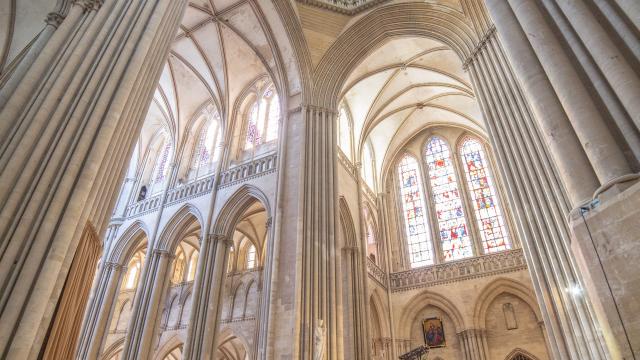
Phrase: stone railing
(377,274)
(486,265)
(144,206)
(348,165)
(190,190)
(366,190)
(249,170)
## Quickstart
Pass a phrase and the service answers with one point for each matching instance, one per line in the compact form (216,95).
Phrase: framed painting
(433,332)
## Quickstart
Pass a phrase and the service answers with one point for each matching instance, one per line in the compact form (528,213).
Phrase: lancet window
(414,212)
(368,165)
(207,150)
(251,257)
(263,119)
(451,204)
(452,226)
(345,132)
(133,270)
(493,231)
(161,167)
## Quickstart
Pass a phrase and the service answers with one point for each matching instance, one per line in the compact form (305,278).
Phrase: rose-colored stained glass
(417,228)
(484,198)
(452,225)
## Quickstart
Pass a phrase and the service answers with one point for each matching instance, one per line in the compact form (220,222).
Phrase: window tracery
(263,119)
(452,225)
(207,150)
(493,231)
(251,257)
(345,133)
(414,211)
(161,168)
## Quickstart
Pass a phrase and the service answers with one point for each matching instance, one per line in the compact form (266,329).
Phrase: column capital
(163,253)
(214,238)
(317,108)
(269,223)
(54,19)
(89,5)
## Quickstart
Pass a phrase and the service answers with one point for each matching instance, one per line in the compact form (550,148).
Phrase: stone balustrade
(486,265)
(143,206)
(190,190)
(249,170)
(376,273)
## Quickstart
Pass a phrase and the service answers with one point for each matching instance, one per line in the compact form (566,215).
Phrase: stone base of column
(606,248)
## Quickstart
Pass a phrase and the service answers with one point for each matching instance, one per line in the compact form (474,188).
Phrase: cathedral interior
(320,179)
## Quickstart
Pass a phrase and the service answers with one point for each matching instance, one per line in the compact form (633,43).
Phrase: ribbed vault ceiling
(221,48)
(404,86)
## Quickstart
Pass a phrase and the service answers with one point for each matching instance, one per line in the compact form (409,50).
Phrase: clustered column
(539,201)
(74,114)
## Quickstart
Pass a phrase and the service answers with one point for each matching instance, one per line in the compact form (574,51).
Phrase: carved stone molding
(54,19)
(347,7)
(89,5)
(481,266)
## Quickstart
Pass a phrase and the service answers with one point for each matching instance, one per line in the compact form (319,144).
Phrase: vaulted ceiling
(221,48)
(404,86)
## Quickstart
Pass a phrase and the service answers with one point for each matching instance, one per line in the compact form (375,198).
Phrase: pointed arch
(346,221)
(126,245)
(520,354)
(422,300)
(175,229)
(496,288)
(230,213)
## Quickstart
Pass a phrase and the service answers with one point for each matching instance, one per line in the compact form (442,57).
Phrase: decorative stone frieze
(348,7)
(481,266)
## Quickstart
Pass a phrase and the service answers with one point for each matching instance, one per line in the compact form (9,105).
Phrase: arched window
(417,228)
(133,270)
(368,165)
(161,167)
(251,257)
(452,226)
(372,243)
(263,119)
(207,150)
(493,231)
(193,261)
(230,260)
(178,267)
(345,135)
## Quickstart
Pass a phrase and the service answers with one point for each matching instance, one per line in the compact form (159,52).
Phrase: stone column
(100,310)
(539,202)
(473,344)
(207,297)
(601,148)
(75,115)
(146,310)
(318,316)
(383,216)
(361,336)
(622,78)
(572,163)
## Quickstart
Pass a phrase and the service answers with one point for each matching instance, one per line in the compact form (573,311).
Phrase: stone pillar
(146,310)
(622,78)
(98,315)
(361,336)
(207,297)
(572,163)
(74,118)
(601,148)
(318,316)
(539,202)
(473,343)
(383,216)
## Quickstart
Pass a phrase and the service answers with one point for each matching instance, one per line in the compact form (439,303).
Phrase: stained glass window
(452,226)
(413,205)
(484,198)
(251,257)
(161,164)
(263,119)
(208,147)
(344,133)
